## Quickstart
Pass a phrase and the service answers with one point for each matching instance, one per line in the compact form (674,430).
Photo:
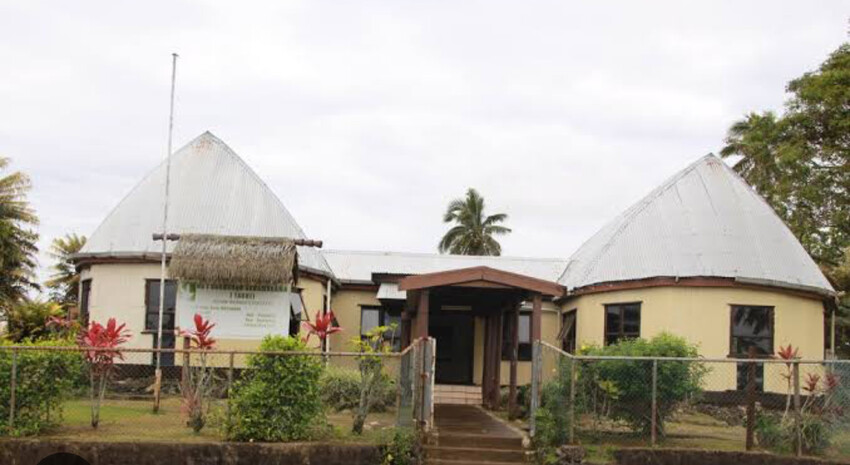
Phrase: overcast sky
(367,117)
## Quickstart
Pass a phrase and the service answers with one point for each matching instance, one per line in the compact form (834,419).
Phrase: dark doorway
(455,340)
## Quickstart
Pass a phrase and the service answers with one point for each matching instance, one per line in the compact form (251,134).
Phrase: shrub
(43,380)
(552,420)
(197,385)
(341,390)
(403,449)
(621,388)
(278,397)
(106,342)
(371,372)
(27,321)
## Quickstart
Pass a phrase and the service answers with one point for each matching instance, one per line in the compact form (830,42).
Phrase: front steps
(467,435)
(457,394)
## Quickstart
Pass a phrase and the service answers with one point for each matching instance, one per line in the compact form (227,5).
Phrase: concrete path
(466,434)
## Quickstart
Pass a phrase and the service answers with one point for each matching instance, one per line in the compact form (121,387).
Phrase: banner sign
(238,312)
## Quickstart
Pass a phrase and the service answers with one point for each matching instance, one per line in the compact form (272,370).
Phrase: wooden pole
(573,373)
(187,362)
(512,395)
(751,399)
(536,316)
(798,414)
(422,315)
(654,402)
(229,387)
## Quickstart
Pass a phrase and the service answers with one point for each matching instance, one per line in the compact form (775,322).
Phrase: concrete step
(467,462)
(476,441)
(457,400)
(474,454)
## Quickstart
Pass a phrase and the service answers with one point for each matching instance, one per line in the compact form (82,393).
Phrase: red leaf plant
(789,354)
(811,383)
(322,327)
(196,385)
(102,347)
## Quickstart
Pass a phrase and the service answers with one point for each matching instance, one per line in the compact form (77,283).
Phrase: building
(702,256)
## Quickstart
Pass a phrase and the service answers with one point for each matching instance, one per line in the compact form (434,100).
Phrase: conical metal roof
(703,222)
(213,191)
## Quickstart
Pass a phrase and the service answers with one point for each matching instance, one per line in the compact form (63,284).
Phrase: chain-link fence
(90,394)
(793,406)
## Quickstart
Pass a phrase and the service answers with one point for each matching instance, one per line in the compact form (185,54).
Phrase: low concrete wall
(641,456)
(29,452)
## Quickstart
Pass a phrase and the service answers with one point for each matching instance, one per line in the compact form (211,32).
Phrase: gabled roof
(213,191)
(481,276)
(358,266)
(703,222)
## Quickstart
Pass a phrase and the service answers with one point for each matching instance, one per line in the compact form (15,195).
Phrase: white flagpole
(158,374)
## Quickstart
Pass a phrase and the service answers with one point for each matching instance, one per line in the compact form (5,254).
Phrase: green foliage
(403,449)
(279,398)
(17,240)
(779,435)
(43,380)
(371,371)
(621,388)
(473,233)
(64,283)
(341,390)
(552,419)
(27,321)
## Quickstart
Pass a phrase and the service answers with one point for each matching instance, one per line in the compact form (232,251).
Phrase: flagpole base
(157,389)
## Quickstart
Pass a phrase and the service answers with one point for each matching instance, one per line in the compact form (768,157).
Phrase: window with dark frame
(152,305)
(372,317)
(622,321)
(751,326)
(85,298)
(567,335)
(524,333)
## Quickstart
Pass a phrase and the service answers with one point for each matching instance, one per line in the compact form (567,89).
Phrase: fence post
(229,387)
(535,386)
(187,362)
(573,373)
(798,415)
(654,402)
(751,399)
(13,384)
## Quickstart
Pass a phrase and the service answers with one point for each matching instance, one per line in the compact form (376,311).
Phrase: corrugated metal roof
(703,222)
(389,291)
(358,266)
(213,191)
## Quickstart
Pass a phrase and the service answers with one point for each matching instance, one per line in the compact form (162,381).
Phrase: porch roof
(481,276)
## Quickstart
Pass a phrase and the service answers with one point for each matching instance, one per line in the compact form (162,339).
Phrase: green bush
(621,389)
(43,380)
(552,419)
(341,390)
(279,397)
(779,435)
(403,449)
(27,321)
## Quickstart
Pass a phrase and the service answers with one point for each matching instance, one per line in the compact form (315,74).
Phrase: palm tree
(17,241)
(65,282)
(472,233)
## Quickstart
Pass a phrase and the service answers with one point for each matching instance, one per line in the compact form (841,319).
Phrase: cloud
(366,118)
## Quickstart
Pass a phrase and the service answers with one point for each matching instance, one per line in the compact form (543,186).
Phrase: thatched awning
(234,260)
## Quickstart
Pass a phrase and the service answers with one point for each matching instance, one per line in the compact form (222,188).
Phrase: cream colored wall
(702,316)
(550,325)
(118,291)
(346,306)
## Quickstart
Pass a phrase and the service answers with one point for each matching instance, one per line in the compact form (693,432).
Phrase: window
(372,317)
(751,326)
(567,335)
(152,305)
(524,333)
(85,298)
(622,321)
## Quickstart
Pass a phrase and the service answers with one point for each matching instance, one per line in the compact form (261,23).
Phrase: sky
(366,118)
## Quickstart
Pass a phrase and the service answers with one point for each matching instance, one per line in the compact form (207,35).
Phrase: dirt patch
(641,456)
(28,452)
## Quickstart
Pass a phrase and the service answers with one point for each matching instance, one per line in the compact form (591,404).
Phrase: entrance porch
(474,315)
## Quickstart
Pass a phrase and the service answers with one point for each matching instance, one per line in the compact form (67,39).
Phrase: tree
(64,283)
(28,320)
(800,163)
(473,231)
(17,241)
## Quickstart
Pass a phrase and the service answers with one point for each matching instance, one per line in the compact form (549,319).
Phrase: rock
(568,455)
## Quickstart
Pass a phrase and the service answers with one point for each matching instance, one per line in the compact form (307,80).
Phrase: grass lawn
(687,430)
(134,420)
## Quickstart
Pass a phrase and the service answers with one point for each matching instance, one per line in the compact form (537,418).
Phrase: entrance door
(455,338)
